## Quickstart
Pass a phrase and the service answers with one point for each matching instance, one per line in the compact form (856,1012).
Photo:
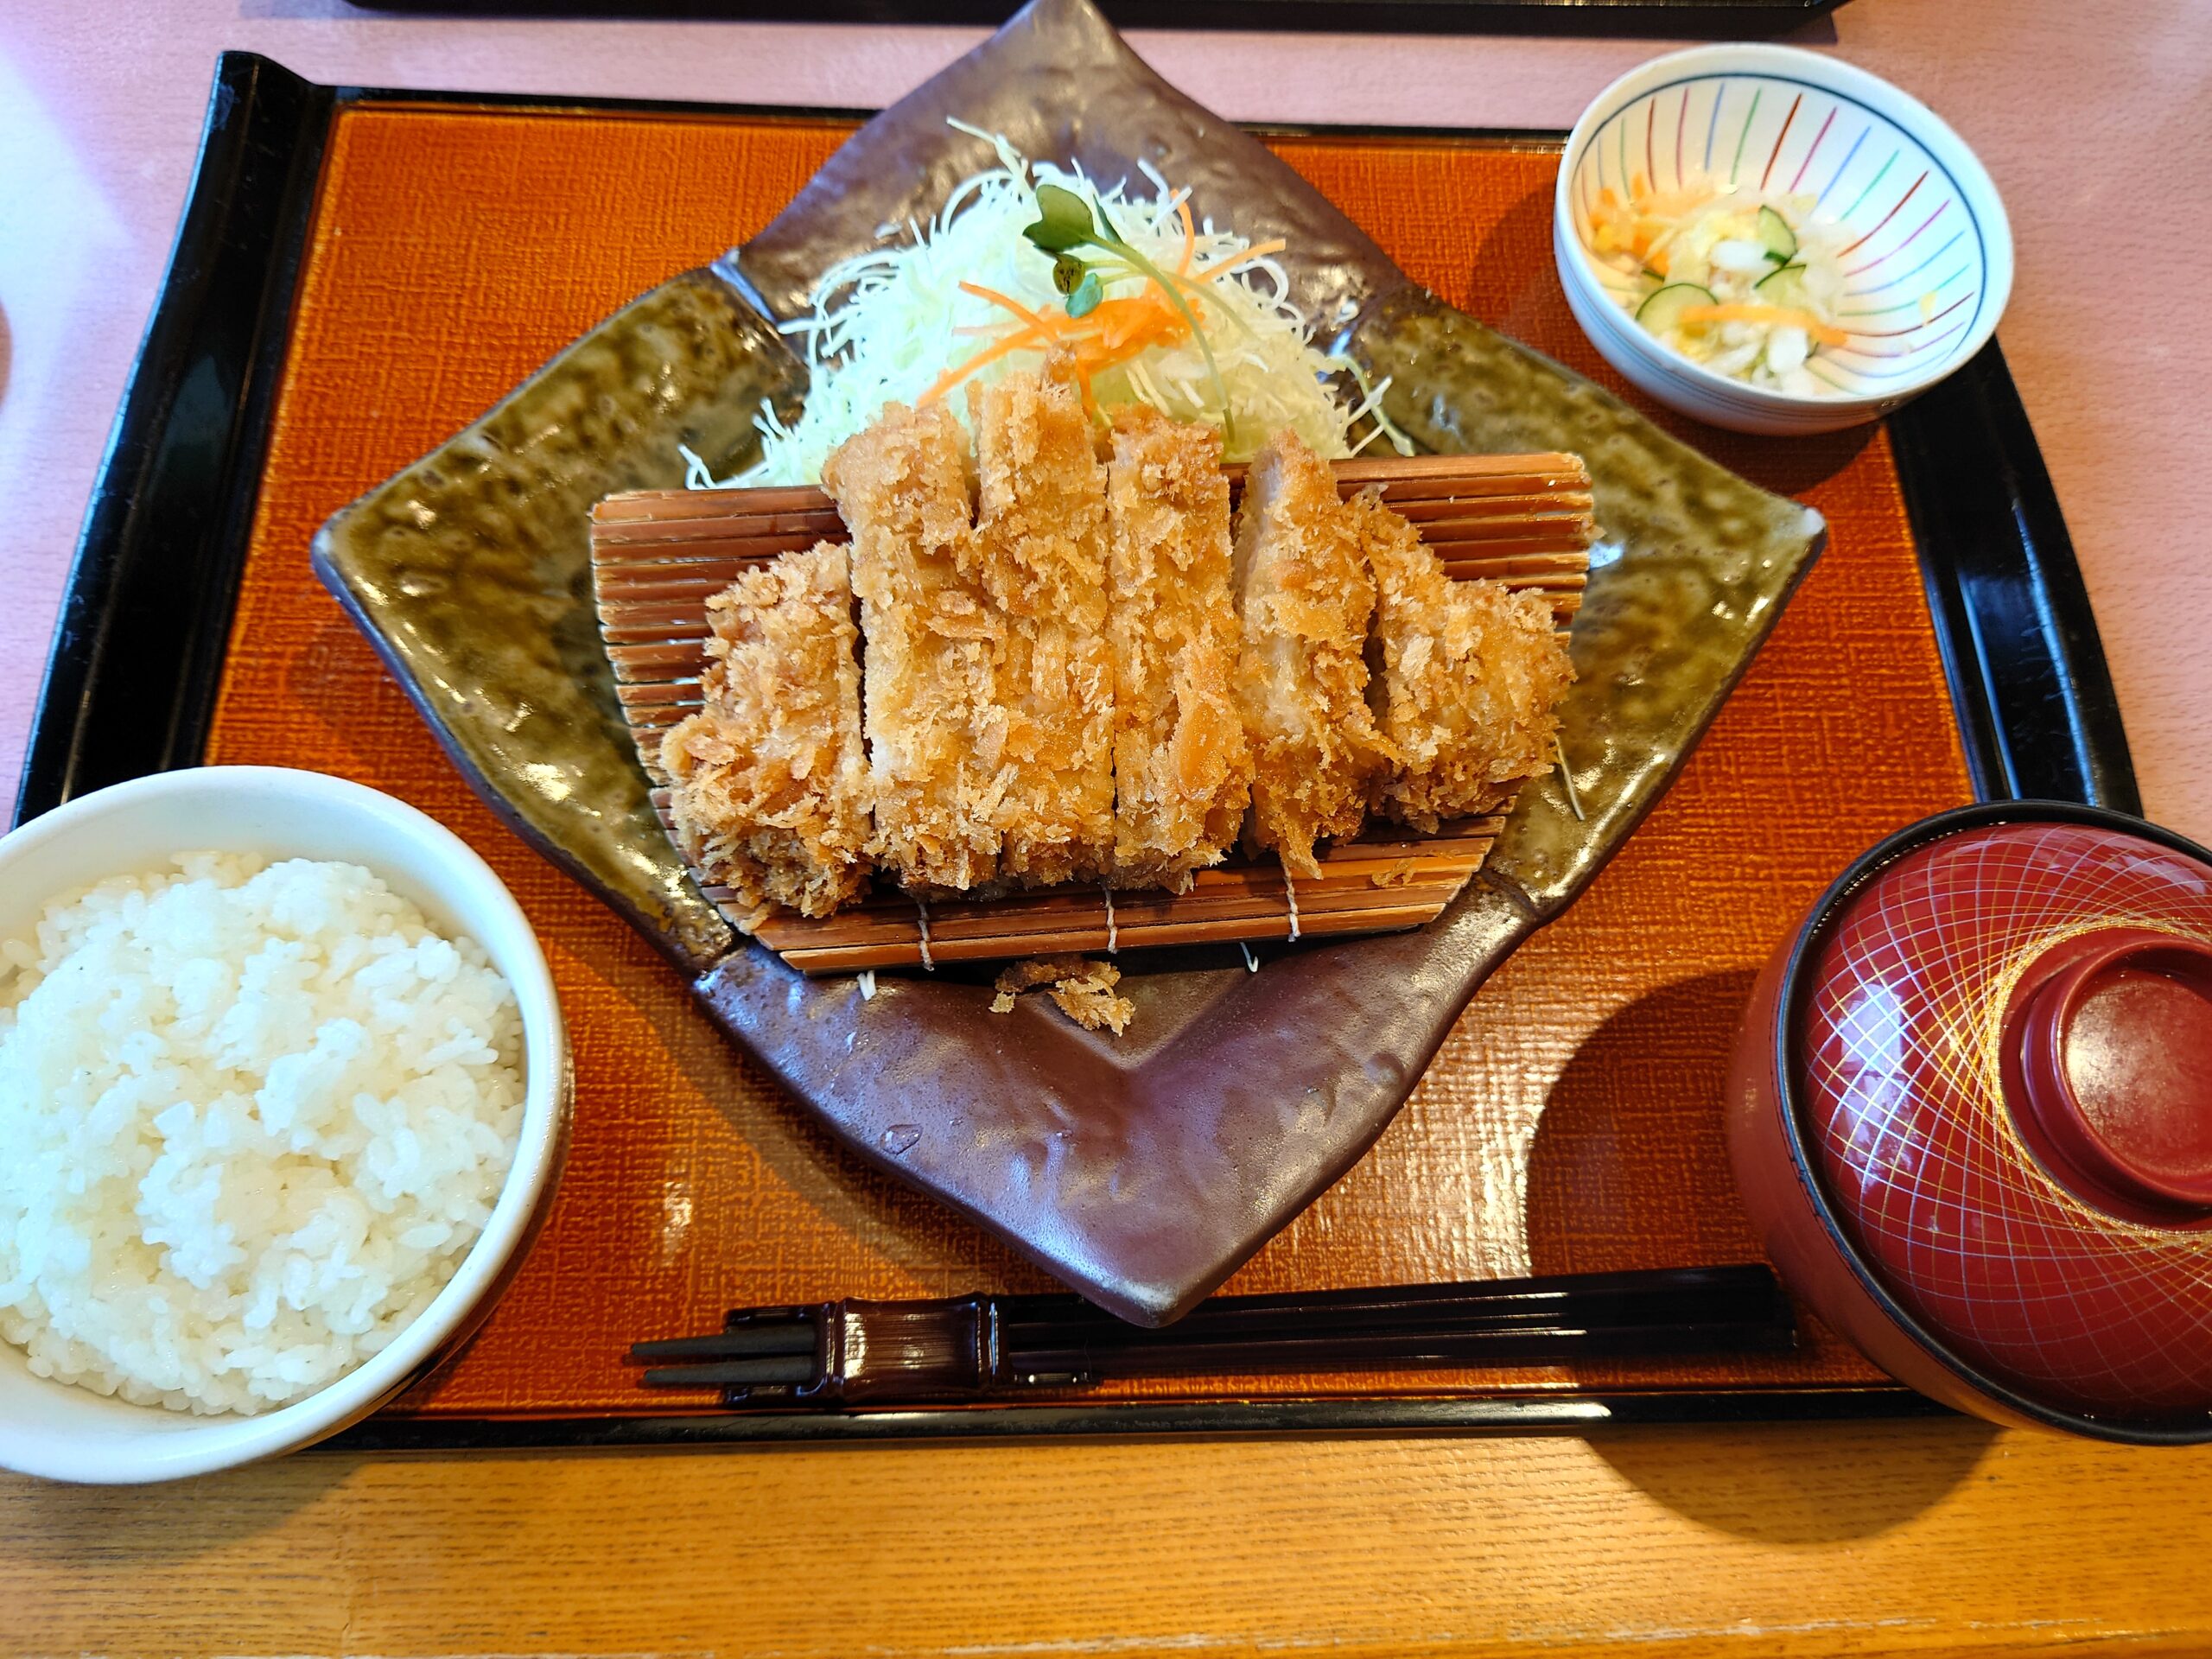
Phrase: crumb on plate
(1084,990)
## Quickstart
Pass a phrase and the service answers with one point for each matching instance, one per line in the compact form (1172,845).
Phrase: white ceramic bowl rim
(168,1445)
(1793,66)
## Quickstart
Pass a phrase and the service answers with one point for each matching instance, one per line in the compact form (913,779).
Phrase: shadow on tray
(1629,1163)
(1630,1150)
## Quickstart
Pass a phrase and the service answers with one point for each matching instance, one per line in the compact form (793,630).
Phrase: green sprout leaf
(1064,221)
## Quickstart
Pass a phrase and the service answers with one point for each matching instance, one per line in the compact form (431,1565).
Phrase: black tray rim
(1380,1416)
(2036,709)
(1688,19)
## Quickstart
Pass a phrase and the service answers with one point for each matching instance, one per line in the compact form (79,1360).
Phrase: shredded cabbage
(888,323)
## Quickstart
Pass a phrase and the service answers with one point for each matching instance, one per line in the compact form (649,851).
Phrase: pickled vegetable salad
(1741,283)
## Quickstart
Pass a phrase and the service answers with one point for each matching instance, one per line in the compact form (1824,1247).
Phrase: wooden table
(1936,1537)
(1931,1536)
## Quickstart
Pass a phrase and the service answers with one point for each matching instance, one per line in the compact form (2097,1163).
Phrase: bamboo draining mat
(657,555)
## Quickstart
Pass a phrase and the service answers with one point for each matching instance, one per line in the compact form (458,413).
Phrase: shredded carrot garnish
(1011,304)
(1257,251)
(951,378)
(1112,332)
(1779,315)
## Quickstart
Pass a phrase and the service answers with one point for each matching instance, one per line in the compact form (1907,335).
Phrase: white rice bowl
(252,1115)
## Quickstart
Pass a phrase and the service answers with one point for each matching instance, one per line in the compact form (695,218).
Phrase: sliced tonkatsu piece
(1470,674)
(1041,557)
(1303,599)
(934,639)
(1182,768)
(770,784)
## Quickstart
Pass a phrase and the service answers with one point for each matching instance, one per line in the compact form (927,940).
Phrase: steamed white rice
(252,1117)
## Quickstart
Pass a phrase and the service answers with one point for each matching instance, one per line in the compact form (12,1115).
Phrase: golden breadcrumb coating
(769,780)
(1182,768)
(1303,597)
(1041,558)
(1091,1001)
(1083,989)
(1470,675)
(934,639)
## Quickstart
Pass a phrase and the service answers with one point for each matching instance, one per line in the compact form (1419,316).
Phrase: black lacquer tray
(165,539)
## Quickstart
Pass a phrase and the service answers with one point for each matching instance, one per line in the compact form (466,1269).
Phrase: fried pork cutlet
(1303,597)
(770,791)
(934,637)
(1182,768)
(1470,674)
(1041,557)
(1083,989)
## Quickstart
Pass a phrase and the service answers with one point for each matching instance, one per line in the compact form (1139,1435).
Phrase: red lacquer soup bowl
(1970,1112)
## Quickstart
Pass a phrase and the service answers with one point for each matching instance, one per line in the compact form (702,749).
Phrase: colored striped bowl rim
(1928,264)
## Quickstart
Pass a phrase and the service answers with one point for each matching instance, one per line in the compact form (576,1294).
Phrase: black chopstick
(854,1351)
(1696,1296)
(742,1343)
(772,1370)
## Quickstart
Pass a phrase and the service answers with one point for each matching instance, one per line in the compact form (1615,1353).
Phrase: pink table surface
(2095,119)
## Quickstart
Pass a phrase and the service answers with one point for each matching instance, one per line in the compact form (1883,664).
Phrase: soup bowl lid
(1998,1047)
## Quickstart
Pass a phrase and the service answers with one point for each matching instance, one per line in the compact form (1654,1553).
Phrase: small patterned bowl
(1970,1114)
(1927,272)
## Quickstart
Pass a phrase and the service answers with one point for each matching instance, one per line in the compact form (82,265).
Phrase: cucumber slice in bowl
(1785,287)
(1776,237)
(1663,310)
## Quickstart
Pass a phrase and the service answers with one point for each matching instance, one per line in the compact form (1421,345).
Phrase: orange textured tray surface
(1570,1123)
